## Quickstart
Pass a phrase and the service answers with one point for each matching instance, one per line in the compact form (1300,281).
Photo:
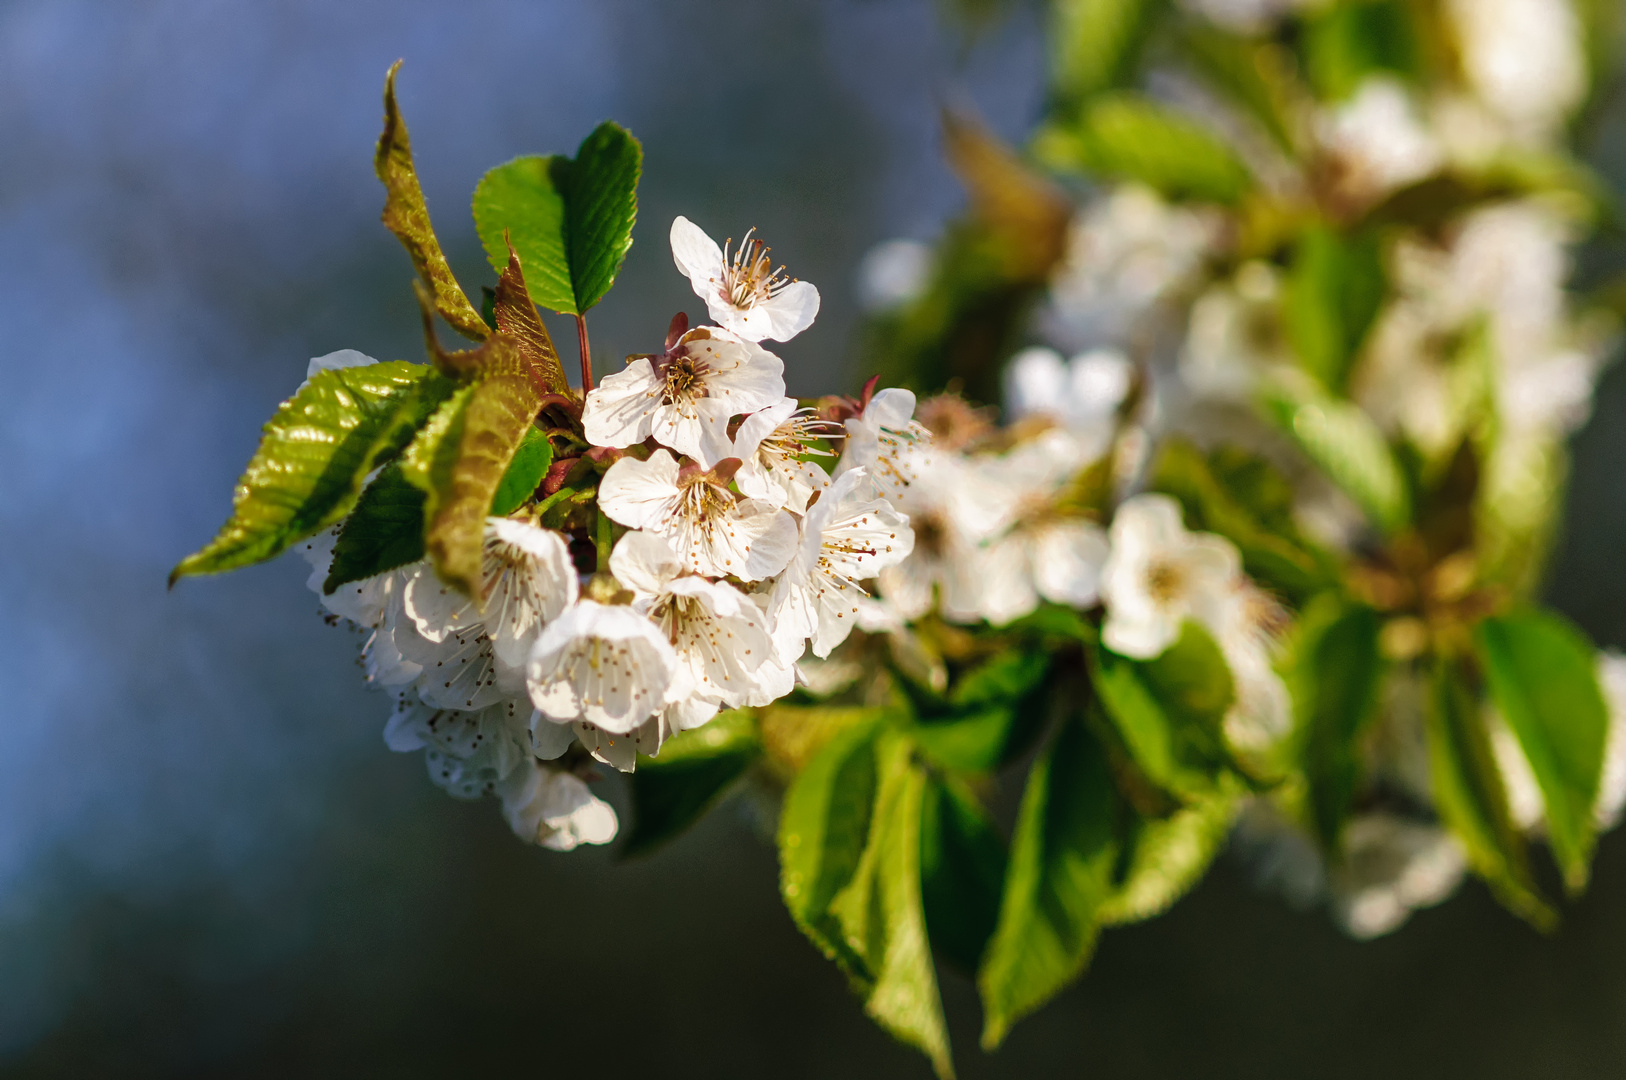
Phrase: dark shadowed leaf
(694,769)
(307,472)
(525,473)
(991,713)
(1333,292)
(1059,875)
(1542,675)
(570,219)
(407,216)
(383,532)
(962,866)
(1249,503)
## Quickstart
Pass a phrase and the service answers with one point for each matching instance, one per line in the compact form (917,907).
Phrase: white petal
(1141,639)
(644,563)
(620,409)
(639,494)
(791,310)
(618,751)
(1067,562)
(698,258)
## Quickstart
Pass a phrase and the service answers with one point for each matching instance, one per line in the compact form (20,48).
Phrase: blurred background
(209,863)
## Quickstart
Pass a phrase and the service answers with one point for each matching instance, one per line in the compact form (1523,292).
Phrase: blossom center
(749,277)
(1165,580)
(685,380)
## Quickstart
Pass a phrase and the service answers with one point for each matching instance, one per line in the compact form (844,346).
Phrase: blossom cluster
(740,539)
(1475,341)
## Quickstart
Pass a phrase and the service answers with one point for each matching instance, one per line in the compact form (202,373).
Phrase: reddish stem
(587,356)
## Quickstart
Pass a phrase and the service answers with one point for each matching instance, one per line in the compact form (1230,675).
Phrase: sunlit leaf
(882,915)
(1342,439)
(1542,675)
(692,772)
(1094,44)
(307,472)
(407,216)
(824,825)
(1129,137)
(460,457)
(1167,857)
(1257,76)
(515,313)
(1170,711)
(1058,877)
(1334,677)
(570,219)
(1469,794)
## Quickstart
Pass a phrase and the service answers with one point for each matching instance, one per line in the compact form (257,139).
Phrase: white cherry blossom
(1248,632)
(850,535)
(467,753)
(1083,393)
(743,292)
(719,634)
(685,396)
(549,806)
(770,444)
(952,508)
(885,440)
(1378,140)
(1158,575)
(605,664)
(527,579)
(716,533)
(1044,554)
(374,604)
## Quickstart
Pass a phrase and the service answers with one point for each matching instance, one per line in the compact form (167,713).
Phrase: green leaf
(1094,44)
(1335,676)
(824,825)
(524,474)
(962,861)
(1167,856)
(1058,878)
(307,472)
(1469,794)
(670,792)
(460,457)
(1256,76)
(1127,136)
(1542,676)
(1170,711)
(882,914)
(514,312)
(407,216)
(384,531)
(1346,42)
(1334,290)
(989,716)
(1249,503)
(570,220)
(1340,438)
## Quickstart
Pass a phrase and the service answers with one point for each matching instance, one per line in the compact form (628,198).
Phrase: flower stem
(587,356)
(604,540)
